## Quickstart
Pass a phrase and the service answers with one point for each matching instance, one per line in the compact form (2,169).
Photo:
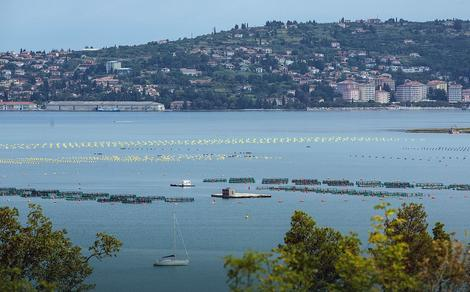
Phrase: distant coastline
(279,65)
(317,109)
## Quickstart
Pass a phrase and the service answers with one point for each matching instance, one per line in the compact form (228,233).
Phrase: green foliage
(11,280)
(437,94)
(313,251)
(245,273)
(401,256)
(35,256)
(410,227)
(441,46)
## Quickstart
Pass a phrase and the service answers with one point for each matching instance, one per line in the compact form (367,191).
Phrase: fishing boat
(186,183)
(172,260)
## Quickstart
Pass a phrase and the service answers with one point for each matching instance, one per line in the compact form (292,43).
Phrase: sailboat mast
(174,233)
(182,239)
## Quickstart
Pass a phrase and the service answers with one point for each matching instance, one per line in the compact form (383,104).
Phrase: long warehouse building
(105,106)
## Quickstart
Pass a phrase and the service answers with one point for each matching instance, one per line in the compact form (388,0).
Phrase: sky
(72,24)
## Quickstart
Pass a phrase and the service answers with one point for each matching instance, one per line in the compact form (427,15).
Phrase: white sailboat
(172,260)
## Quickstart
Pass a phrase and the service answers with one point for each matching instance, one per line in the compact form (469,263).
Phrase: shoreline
(315,109)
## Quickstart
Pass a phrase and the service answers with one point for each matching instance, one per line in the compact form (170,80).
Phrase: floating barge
(398,185)
(8,192)
(241,180)
(431,186)
(137,200)
(275,181)
(457,187)
(179,200)
(338,183)
(157,198)
(369,184)
(214,180)
(229,193)
(349,192)
(28,193)
(306,182)
(81,196)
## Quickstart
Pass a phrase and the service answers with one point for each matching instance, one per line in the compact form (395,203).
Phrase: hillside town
(276,66)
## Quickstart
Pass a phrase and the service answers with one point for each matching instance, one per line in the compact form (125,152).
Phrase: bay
(152,150)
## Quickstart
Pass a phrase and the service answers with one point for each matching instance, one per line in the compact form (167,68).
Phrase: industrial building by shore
(150,106)
(105,106)
(17,106)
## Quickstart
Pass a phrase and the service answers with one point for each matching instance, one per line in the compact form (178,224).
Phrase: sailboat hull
(171,262)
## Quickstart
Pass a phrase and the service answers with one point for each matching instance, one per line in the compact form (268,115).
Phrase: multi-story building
(466,95)
(385,80)
(367,92)
(455,93)
(382,96)
(412,91)
(349,90)
(112,66)
(437,84)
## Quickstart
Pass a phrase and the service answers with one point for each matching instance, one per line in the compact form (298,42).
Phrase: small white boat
(172,260)
(186,183)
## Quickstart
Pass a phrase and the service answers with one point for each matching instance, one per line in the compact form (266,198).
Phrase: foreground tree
(402,256)
(36,257)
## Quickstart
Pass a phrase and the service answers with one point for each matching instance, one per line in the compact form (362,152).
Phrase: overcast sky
(47,24)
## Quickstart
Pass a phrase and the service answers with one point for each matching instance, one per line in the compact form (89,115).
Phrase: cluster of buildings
(356,75)
(28,76)
(414,91)
(23,73)
(454,91)
(352,91)
(381,88)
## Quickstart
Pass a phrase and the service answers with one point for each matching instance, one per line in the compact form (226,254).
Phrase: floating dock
(275,181)
(456,187)
(338,183)
(178,200)
(230,193)
(241,180)
(350,192)
(214,180)
(398,185)
(369,184)
(306,182)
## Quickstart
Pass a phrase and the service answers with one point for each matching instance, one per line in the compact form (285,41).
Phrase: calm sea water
(351,145)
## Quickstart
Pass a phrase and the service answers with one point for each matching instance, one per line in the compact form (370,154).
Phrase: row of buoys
(430,158)
(440,148)
(128,159)
(190,142)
